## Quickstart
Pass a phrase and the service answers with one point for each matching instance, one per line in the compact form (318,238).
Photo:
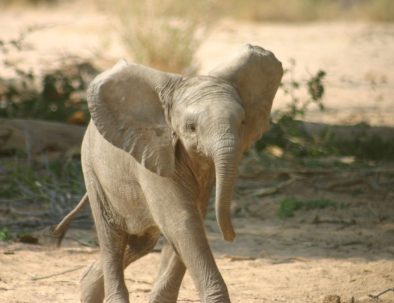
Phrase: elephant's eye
(190,126)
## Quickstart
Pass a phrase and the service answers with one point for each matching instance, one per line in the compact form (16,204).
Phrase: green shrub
(289,206)
(57,95)
(5,234)
(286,132)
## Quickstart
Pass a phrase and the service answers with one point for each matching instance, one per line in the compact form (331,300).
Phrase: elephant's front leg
(112,243)
(112,254)
(92,282)
(170,277)
(182,226)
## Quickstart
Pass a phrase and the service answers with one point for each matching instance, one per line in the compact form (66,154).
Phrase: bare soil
(348,252)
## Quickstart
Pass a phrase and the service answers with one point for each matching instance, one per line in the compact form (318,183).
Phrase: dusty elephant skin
(156,145)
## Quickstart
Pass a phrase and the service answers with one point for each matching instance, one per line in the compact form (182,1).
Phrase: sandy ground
(297,280)
(347,252)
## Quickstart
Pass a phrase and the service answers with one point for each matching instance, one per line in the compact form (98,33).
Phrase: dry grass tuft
(164,34)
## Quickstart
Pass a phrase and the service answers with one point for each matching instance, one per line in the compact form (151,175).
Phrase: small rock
(27,238)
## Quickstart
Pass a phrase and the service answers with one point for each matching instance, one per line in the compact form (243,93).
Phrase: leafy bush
(288,206)
(286,132)
(363,146)
(4,234)
(57,95)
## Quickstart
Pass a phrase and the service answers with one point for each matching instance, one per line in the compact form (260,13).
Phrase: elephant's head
(147,112)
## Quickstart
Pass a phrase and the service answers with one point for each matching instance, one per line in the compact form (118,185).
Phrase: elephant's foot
(163,296)
(117,297)
(168,297)
(157,298)
(223,297)
(216,293)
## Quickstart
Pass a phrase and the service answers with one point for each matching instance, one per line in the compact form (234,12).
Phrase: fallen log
(35,137)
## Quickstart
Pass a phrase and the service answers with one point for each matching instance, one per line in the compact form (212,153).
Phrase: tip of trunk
(229,235)
(223,218)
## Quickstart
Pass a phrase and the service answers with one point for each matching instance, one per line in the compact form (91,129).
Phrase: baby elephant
(156,146)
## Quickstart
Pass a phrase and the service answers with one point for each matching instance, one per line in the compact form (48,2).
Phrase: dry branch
(376,297)
(58,274)
(273,189)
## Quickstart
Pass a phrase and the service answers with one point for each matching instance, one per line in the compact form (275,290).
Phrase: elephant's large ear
(127,109)
(256,75)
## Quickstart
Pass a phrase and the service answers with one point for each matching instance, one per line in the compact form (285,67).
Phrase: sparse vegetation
(364,147)
(286,133)
(58,95)
(52,186)
(289,206)
(162,34)
(41,180)
(4,234)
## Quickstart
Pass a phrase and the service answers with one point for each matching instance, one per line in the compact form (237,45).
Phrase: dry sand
(346,251)
(297,280)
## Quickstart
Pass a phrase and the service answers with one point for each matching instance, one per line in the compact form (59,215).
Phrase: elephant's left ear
(128,105)
(256,75)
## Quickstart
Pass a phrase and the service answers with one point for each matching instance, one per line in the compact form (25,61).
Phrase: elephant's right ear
(256,75)
(127,110)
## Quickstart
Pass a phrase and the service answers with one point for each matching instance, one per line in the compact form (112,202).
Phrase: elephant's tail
(60,230)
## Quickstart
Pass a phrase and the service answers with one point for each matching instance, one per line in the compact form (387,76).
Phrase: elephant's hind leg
(92,281)
(170,277)
(139,246)
(92,284)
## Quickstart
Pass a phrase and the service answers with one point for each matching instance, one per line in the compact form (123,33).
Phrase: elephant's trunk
(226,162)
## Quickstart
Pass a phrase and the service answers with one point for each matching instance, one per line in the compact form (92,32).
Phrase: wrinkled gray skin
(155,147)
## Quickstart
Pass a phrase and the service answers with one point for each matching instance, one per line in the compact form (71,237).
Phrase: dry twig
(376,297)
(58,274)
(271,190)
